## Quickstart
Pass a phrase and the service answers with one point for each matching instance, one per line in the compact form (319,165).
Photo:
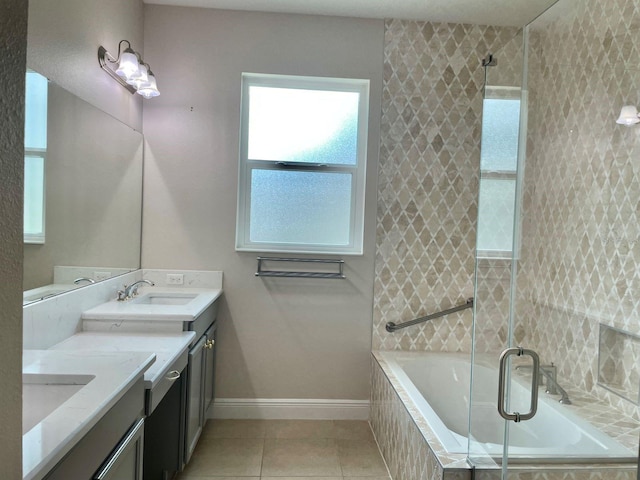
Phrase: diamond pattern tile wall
(581,235)
(428,178)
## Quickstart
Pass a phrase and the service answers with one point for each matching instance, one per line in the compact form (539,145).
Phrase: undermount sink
(161,298)
(153,304)
(43,393)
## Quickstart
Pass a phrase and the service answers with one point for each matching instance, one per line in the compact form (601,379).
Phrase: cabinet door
(195,396)
(210,367)
(126,461)
(164,433)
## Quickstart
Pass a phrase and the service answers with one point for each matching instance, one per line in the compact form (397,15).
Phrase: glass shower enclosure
(556,341)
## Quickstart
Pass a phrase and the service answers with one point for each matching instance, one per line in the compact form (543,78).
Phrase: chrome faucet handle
(121,295)
(132,290)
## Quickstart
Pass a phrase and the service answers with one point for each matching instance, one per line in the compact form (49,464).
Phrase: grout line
(262,458)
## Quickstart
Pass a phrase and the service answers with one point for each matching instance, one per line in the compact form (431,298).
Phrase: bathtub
(438,385)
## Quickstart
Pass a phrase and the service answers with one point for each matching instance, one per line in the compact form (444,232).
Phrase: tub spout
(553,387)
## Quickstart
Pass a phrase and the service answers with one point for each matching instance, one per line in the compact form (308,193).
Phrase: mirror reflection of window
(35,151)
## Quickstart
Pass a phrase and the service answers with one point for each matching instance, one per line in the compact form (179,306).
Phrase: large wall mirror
(83,192)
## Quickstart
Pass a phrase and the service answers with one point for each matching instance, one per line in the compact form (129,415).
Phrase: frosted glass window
(496,215)
(302,164)
(498,174)
(296,125)
(35,131)
(35,143)
(34,199)
(500,127)
(300,207)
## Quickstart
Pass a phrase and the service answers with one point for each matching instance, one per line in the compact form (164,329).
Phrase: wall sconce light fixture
(129,70)
(628,116)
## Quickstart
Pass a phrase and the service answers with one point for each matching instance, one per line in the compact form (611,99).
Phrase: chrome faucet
(132,290)
(77,281)
(550,372)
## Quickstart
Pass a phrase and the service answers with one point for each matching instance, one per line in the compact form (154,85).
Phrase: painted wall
(278,338)
(64,37)
(13,46)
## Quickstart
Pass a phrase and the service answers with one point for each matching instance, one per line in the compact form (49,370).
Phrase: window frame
(357,171)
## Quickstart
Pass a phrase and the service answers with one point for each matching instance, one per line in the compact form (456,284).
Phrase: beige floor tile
(299,429)
(352,430)
(305,478)
(360,458)
(378,477)
(207,477)
(300,457)
(234,429)
(226,457)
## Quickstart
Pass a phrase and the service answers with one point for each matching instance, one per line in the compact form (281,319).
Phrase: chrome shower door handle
(515,416)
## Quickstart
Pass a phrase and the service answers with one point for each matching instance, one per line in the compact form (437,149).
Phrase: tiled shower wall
(579,263)
(428,179)
(580,257)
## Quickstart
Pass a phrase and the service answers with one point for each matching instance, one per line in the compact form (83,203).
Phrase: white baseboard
(289,409)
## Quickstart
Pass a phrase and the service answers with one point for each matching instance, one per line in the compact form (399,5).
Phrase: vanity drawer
(156,394)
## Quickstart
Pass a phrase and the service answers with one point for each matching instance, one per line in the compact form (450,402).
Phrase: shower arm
(392,327)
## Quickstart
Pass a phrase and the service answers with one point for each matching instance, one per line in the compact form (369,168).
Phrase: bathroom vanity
(80,407)
(177,405)
(164,402)
(126,397)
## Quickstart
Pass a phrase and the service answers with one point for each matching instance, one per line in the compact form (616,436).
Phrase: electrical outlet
(99,276)
(175,278)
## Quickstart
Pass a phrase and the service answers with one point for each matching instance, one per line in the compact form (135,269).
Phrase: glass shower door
(554,264)
(496,333)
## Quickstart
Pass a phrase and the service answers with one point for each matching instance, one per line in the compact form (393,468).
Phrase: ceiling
(482,12)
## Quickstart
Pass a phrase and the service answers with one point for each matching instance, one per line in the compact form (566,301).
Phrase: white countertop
(167,348)
(115,372)
(129,310)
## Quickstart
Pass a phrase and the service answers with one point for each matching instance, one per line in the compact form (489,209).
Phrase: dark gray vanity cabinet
(164,433)
(200,377)
(113,447)
(210,368)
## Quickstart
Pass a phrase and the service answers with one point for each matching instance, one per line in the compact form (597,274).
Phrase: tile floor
(286,450)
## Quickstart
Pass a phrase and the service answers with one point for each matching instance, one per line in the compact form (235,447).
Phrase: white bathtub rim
(446,459)
(442,441)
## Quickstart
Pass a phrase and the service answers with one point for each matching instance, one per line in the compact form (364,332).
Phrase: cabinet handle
(173,375)
(209,344)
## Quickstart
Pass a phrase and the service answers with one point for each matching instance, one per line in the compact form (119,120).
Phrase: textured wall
(64,37)
(278,338)
(581,237)
(13,46)
(428,179)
